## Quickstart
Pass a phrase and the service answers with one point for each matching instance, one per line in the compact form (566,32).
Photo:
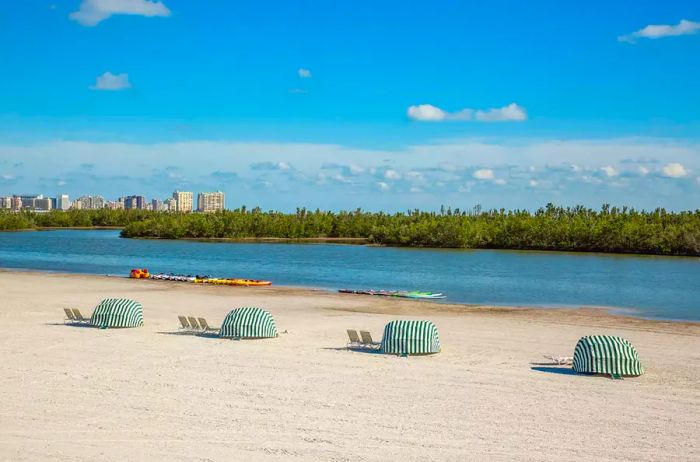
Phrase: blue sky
(390,105)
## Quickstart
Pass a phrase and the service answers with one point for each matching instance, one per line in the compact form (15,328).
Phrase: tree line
(609,229)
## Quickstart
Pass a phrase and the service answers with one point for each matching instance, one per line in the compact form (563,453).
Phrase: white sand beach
(72,393)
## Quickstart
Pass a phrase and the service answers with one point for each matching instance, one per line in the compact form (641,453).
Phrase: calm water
(653,287)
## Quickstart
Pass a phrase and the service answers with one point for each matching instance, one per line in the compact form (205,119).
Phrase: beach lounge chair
(354,339)
(193,323)
(69,315)
(184,324)
(367,341)
(560,360)
(79,317)
(205,326)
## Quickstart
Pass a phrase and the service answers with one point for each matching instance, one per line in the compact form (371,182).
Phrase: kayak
(415,294)
(198,279)
(428,295)
(235,282)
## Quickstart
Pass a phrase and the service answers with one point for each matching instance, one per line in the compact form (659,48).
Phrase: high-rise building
(184,200)
(89,203)
(135,202)
(170,205)
(5,202)
(157,205)
(28,201)
(114,205)
(62,202)
(210,201)
(42,204)
(16,203)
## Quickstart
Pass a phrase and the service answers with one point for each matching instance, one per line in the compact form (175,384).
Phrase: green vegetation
(611,229)
(10,221)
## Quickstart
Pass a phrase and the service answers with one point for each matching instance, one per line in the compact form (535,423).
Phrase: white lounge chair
(206,327)
(367,341)
(560,360)
(184,323)
(79,317)
(193,323)
(69,316)
(354,339)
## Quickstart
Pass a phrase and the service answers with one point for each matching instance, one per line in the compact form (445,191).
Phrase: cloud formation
(111,82)
(304,73)
(674,170)
(271,166)
(610,171)
(506,173)
(656,31)
(484,174)
(93,12)
(430,113)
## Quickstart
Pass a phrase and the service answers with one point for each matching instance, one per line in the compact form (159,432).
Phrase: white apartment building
(210,201)
(62,202)
(89,203)
(184,201)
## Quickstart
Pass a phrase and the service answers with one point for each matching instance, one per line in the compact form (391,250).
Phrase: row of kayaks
(197,279)
(415,294)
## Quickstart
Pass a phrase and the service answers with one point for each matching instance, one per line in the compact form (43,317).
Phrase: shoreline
(87,394)
(360,241)
(600,316)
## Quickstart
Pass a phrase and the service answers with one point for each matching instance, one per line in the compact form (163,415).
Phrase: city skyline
(455,103)
(207,201)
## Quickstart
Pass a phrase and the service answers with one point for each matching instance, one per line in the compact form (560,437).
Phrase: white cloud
(304,73)
(643,170)
(443,170)
(392,175)
(426,113)
(610,171)
(7,176)
(512,112)
(654,31)
(674,170)
(92,12)
(500,181)
(111,82)
(484,174)
(271,166)
(430,113)
(532,183)
(383,186)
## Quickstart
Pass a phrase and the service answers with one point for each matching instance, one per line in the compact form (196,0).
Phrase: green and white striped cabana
(248,322)
(117,312)
(605,354)
(410,337)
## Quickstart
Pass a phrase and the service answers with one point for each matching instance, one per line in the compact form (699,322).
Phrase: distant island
(578,229)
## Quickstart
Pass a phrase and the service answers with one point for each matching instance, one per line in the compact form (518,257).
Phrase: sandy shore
(71,393)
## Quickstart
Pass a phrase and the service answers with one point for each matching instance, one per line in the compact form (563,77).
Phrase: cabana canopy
(605,354)
(248,322)
(410,337)
(117,312)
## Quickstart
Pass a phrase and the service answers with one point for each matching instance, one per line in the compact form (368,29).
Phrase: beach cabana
(410,337)
(248,322)
(117,312)
(605,354)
